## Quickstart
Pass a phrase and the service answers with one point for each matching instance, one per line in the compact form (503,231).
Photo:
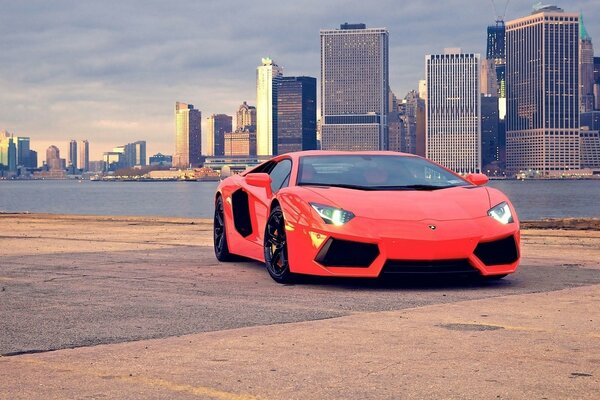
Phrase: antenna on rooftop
(500,17)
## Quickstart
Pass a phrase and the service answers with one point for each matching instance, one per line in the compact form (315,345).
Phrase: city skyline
(110,90)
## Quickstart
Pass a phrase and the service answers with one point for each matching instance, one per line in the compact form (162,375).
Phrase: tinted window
(280,175)
(375,172)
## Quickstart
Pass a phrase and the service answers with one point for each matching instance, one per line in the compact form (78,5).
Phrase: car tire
(275,248)
(219,233)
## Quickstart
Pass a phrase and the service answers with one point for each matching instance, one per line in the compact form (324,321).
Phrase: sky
(111,71)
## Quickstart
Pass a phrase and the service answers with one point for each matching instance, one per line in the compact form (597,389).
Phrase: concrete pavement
(139,308)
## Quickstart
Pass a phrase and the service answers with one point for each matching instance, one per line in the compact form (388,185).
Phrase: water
(532,199)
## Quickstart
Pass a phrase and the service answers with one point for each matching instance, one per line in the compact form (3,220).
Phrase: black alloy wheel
(275,245)
(219,236)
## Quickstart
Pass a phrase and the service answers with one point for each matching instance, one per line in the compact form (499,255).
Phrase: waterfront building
(187,136)
(496,63)
(53,160)
(240,143)
(596,83)
(161,159)
(23,152)
(542,126)
(586,69)
(134,155)
(245,118)
(590,148)
(489,129)
(97,166)
(268,75)
(354,88)
(296,114)
(216,127)
(73,155)
(33,159)
(84,155)
(4,136)
(12,155)
(453,110)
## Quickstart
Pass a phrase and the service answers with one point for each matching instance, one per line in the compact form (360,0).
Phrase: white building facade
(453,110)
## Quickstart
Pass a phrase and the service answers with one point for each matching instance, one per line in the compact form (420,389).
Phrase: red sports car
(363,214)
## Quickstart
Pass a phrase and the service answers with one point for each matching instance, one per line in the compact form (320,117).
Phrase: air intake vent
(498,252)
(344,253)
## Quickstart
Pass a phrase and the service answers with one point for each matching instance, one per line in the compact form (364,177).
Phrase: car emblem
(432,227)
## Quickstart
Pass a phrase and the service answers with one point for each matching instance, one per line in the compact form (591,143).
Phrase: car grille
(345,253)
(460,266)
(498,252)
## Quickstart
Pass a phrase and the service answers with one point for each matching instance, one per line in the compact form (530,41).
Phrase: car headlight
(332,215)
(501,213)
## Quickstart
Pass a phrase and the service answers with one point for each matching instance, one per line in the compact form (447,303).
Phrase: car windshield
(375,172)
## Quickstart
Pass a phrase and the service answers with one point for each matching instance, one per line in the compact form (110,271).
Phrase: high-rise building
(586,69)
(597,83)
(12,154)
(53,160)
(296,114)
(453,110)
(216,127)
(4,136)
(187,135)
(542,85)
(240,143)
(24,152)
(496,60)
(33,159)
(73,154)
(268,76)
(133,155)
(354,88)
(489,129)
(245,118)
(84,155)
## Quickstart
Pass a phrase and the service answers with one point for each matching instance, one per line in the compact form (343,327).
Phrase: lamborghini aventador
(364,214)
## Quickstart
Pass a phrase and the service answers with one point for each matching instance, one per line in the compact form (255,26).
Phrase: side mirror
(259,179)
(477,179)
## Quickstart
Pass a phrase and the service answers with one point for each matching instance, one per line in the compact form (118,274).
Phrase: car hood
(456,203)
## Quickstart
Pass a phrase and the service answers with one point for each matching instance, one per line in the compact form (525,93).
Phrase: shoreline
(579,224)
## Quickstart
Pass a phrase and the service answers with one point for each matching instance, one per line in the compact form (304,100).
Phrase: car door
(260,201)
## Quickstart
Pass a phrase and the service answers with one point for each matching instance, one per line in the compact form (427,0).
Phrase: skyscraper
(73,154)
(187,135)
(4,136)
(84,155)
(245,118)
(542,87)
(217,125)
(12,154)
(296,114)
(586,69)
(267,77)
(489,129)
(597,83)
(453,110)
(53,160)
(354,88)
(23,152)
(496,56)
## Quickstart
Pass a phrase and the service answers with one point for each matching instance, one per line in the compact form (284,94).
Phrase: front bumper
(365,247)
